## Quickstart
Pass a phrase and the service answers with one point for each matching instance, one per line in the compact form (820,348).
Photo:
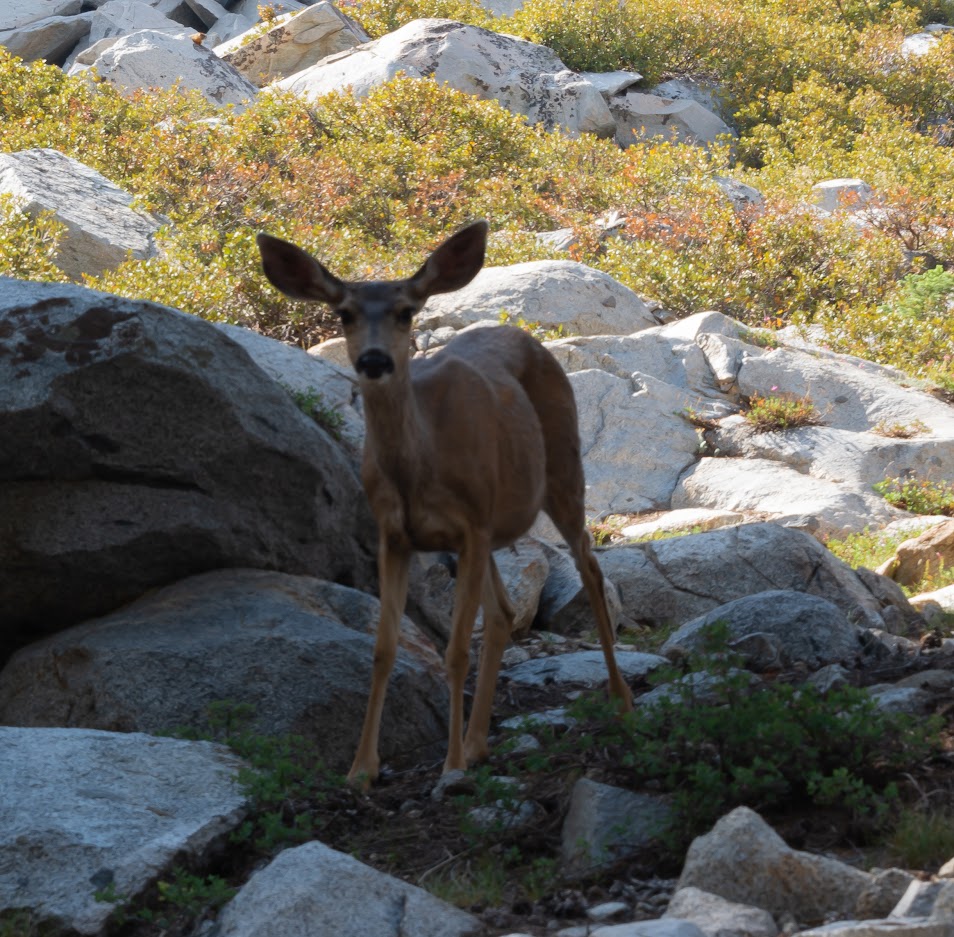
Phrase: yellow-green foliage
(28,246)
(818,90)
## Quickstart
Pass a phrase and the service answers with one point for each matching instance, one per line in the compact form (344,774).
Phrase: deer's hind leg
(498,624)
(568,514)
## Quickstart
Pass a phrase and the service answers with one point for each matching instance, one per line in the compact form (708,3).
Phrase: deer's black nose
(373,363)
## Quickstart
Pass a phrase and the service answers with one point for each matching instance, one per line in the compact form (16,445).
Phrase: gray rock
(672,581)
(898,928)
(617,415)
(667,927)
(605,824)
(249,8)
(314,891)
(307,375)
(882,894)
(82,811)
(700,687)
(612,83)
(524,77)
(901,699)
(686,520)
(145,446)
(842,194)
(828,678)
(523,569)
(805,628)
(607,910)
(564,607)
(587,668)
(51,39)
(115,19)
(553,293)
(918,44)
(744,860)
(296,649)
(780,491)
(926,900)
(717,917)
(16,13)
(151,59)
(745,199)
(645,116)
(292,44)
(102,229)
(550,718)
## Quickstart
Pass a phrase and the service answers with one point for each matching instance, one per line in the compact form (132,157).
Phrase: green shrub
(767,414)
(918,495)
(769,747)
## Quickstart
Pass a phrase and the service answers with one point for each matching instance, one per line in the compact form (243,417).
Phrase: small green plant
(697,419)
(767,414)
(539,331)
(608,530)
(284,773)
(921,838)
(194,894)
(918,495)
(868,548)
(22,923)
(312,403)
(901,430)
(762,338)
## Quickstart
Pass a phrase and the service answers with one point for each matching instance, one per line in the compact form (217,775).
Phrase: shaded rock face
(142,446)
(775,628)
(675,580)
(298,651)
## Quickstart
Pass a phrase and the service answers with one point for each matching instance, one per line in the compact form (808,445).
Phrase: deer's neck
(396,435)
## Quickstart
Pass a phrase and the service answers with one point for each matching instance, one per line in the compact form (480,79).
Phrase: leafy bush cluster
(727,740)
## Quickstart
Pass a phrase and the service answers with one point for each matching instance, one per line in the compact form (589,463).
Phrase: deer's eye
(404,314)
(347,318)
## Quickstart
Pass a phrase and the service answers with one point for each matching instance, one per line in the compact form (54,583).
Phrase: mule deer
(462,451)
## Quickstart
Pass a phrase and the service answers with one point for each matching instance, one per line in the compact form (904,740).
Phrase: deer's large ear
(296,273)
(454,264)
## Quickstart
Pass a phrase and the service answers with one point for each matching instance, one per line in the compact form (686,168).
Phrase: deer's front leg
(471,567)
(393,564)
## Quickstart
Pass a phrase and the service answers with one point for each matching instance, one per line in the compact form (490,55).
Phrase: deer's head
(376,314)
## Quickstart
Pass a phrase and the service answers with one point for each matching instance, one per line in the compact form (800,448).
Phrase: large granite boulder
(292,44)
(152,59)
(296,650)
(553,293)
(102,228)
(666,582)
(524,77)
(142,446)
(84,812)
(315,890)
